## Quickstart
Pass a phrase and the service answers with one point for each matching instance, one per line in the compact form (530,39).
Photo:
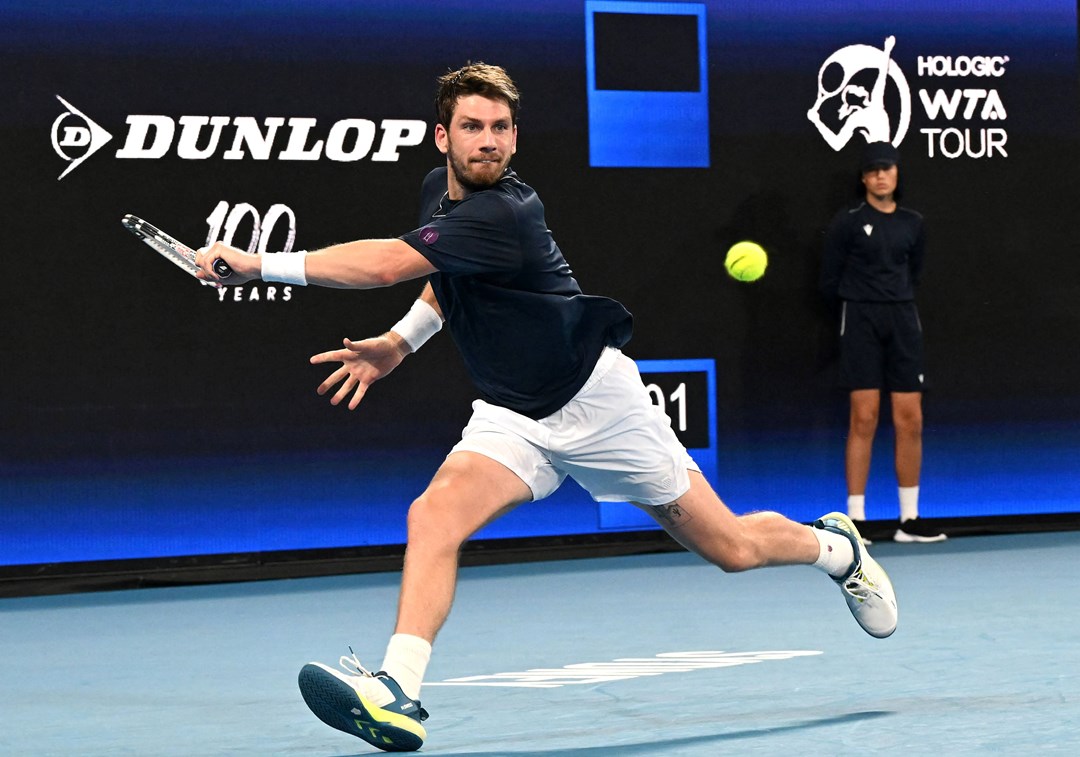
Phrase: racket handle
(222,269)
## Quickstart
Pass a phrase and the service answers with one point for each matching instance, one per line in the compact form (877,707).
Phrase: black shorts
(881,346)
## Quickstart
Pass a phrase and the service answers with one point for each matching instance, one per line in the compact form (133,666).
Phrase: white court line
(620,669)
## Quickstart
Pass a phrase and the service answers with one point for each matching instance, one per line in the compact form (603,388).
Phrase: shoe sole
(339,706)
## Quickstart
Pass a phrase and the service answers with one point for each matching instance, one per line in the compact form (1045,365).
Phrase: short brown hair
(475,79)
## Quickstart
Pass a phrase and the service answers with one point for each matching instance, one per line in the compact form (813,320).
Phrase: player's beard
(472,181)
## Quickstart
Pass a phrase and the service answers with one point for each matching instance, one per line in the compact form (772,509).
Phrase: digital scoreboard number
(686,391)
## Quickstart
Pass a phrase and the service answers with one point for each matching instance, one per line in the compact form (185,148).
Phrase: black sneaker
(916,530)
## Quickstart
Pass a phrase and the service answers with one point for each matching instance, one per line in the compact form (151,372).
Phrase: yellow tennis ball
(746,261)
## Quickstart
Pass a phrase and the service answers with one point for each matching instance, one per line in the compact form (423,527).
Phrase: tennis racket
(171,249)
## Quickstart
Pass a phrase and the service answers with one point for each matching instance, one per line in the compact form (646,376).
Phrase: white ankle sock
(406,661)
(856,506)
(909,502)
(836,553)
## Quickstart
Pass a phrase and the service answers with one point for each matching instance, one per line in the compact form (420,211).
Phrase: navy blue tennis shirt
(528,335)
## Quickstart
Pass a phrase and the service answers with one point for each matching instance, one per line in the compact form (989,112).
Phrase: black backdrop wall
(144,416)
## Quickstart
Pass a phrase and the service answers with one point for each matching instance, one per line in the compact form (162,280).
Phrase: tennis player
(557,398)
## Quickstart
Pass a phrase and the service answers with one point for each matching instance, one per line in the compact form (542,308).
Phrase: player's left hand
(362,364)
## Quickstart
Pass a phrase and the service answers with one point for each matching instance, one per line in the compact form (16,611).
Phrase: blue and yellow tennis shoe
(347,702)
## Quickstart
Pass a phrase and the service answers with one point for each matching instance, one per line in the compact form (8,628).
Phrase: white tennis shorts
(610,438)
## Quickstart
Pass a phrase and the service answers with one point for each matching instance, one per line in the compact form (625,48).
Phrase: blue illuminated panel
(665,123)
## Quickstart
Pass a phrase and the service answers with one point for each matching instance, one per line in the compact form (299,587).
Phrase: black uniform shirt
(872,256)
(528,335)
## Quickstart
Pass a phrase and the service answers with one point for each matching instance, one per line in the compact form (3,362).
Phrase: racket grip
(222,269)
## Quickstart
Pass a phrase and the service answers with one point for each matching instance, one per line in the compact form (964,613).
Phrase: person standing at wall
(873,260)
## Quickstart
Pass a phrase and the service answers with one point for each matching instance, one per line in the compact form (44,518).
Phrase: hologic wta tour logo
(852,85)
(861,90)
(75,137)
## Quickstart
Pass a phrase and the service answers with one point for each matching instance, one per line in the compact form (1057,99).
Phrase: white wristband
(284,267)
(420,324)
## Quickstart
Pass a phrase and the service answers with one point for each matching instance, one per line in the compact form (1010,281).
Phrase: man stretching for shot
(557,398)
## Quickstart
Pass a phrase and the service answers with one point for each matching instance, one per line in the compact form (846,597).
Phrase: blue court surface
(646,655)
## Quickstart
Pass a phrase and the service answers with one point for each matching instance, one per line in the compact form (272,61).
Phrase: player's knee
(430,524)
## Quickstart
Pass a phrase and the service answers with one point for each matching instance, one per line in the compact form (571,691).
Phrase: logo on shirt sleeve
(429,235)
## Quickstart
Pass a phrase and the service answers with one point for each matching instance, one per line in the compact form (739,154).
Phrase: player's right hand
(362,364)
(245,266)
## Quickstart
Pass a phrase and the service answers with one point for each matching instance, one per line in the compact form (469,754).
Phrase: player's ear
(513,145)
(442,139)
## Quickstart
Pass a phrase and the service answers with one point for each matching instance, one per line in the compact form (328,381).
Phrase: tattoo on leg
(673,516)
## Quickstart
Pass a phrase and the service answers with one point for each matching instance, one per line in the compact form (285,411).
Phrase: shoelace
(861,587)
(350,664)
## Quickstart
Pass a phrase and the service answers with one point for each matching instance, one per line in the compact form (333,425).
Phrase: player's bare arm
(366,264)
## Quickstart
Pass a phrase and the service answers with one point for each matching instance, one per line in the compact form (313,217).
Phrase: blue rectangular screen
(648,101)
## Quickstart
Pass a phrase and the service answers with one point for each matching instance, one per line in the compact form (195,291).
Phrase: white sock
(909,502)
(836,553)
(406,661)
(856,506)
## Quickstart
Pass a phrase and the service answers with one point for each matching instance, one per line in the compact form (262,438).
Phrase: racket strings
(171,249)
(183,258)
